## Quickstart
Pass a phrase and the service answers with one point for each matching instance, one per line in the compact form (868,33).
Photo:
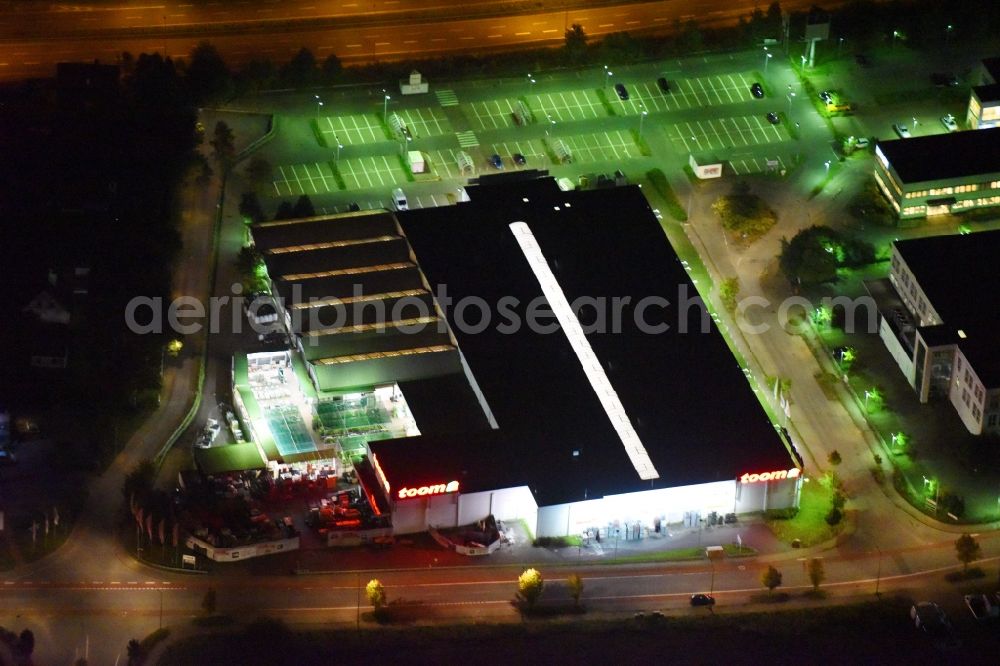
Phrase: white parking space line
(568,105)
(350,130)
(492,114)
(425,122)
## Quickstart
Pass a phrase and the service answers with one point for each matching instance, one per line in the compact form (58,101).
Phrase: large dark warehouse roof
(688,400)
(944,156)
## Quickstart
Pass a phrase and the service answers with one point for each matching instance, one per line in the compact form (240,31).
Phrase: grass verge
(662,186)
(809,525)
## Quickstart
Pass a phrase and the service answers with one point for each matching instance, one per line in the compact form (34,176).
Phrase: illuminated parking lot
(377,171)
(565,106)
(684,94)
(491,114)
(724,133)
(351,130)
(609,146)
(424,122)
(299,179)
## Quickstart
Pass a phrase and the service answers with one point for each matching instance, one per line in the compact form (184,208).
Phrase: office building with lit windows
(984,99)
(940,174)
(938,320)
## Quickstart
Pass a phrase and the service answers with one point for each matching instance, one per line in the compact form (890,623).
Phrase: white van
(399,199)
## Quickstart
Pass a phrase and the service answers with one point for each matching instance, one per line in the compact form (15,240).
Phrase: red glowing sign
(424,491)
(771,476)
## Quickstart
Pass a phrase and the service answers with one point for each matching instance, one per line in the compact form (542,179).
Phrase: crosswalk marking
(467,139)
(446,97)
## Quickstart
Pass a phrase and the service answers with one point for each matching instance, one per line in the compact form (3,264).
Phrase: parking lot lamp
(607,76)
(641,118)
(895,34)
(339,146)
(791,95)
(827,165)
(385,108)
(319,104)
(767,58)
(947,32)
(531,78)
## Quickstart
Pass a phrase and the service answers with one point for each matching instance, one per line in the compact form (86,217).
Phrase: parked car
(702,600)
(981,607)
(622,91)
(944,79)
(862,142)
(354,207)
(949,123)
(399,199)
(928,616)
(757,90)
(663,84)
(772,118)
(519,159)
(902,130)
(826,96)
(496,161)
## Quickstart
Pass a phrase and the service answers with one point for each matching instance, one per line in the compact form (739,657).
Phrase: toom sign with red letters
(424,491)
(771,476)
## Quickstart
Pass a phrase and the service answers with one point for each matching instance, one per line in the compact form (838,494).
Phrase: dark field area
(877,632)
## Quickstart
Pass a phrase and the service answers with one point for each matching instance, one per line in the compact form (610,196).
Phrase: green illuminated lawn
(809,525)
(677,554)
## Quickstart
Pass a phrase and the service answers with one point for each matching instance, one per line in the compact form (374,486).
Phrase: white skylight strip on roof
(584,352)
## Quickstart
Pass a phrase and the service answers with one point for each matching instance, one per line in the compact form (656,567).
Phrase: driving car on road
(702,600)
(622,91)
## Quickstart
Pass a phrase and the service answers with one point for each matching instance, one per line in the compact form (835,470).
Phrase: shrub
(834,457)
(781,514)
(834,516)
(529,587)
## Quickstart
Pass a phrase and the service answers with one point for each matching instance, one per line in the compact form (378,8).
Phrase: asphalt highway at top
(36,36)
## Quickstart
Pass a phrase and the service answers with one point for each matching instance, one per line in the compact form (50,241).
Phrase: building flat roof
(944,156)
(959,276)
(987,93)
(682,391)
